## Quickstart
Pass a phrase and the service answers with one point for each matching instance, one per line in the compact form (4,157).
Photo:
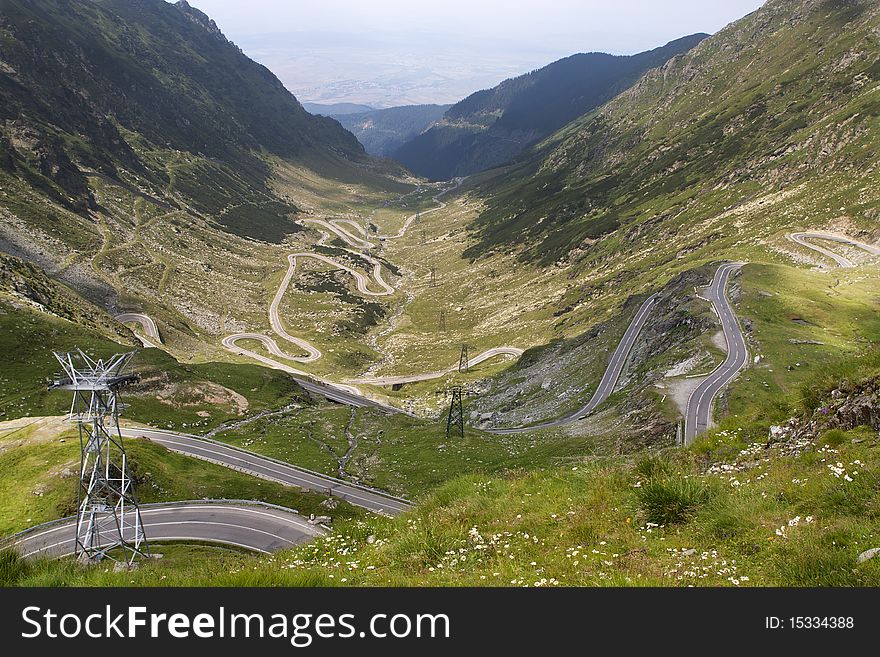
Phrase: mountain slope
(336,109)
(383,131)
(736,509)
(148,164)
(117,86)
(781,105)
(491,126)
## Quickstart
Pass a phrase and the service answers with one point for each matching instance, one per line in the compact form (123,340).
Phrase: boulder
(868,554)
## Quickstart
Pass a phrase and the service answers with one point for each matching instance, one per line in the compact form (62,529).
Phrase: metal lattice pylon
(463,360)
(455,421)
(108,519)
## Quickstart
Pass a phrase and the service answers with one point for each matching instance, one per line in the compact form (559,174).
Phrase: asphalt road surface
(345,394)
(698,412)
(340,232)
(427,376)
(341,394)
(313,353)
(151,331)
(363,283)
(411,218)
(254,526)
(801,238)
(266,468)
(609,378)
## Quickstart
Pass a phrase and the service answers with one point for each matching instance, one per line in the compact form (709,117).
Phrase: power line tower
(455,420)
(424,237)
(441,322)
(107,517)
(463,359)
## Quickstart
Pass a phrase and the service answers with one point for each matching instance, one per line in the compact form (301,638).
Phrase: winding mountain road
(700,403)
(348,238)
(609,378)
(313,353)
(271,469)
(436,199)
(250,525)
(363,283)
(339,393)
(698,412)
(427,376)
(347,394)
(151,338)
(842,261)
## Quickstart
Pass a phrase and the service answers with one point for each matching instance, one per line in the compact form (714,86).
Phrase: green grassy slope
(135,77)
(780,107)
(170,394)
(769,126)
(40,476)
(149,165)
(733,510)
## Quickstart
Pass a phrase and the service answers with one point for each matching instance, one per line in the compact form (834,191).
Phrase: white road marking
(734,362)
(192,446)
(307,529)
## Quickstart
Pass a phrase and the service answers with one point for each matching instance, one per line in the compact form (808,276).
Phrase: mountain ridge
(383,131)
(703,126)
(493,125)
(137,77)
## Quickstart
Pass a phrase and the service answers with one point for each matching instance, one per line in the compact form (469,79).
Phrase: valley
(661,311)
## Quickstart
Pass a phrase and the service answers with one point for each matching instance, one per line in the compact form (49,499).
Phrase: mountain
(336,109)
(775,118)
(148,164)
(491,126)
(383,131)
(186,209)
(120,88)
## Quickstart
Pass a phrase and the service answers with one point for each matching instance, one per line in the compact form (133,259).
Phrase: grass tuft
(671,501)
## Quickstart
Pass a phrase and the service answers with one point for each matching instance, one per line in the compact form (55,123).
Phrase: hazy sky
(386,52)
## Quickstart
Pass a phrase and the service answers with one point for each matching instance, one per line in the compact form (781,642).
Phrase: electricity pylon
(441,320)
(455,421)
(107,516)
(463,359)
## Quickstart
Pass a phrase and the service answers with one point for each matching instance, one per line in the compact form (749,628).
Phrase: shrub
(652,466)
(12,568)
(833,438)
(673,500)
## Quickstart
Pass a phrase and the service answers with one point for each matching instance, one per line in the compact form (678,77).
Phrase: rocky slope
(26,285)
(106,86)
(550,381)
(145,160)
(850,405)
